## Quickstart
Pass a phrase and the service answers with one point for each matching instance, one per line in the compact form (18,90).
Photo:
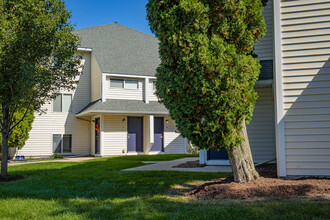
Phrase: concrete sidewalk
(168,166)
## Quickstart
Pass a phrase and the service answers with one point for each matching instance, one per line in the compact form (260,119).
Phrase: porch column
(151,128)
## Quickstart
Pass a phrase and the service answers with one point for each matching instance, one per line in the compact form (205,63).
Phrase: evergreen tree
(207,73)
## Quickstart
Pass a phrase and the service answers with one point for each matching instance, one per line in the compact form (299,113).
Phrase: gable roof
(120,49)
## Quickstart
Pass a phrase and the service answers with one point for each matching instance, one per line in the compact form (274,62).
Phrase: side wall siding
(122,93)
(305,45)
(174,143)
(261,127)
(115,135)
(96,80)
(264,48)
(44,126)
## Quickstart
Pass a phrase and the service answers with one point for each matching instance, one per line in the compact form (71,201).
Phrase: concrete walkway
(65,159)
(168,166)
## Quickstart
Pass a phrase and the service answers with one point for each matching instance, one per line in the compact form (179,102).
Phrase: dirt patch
(267,186)
(10,178)
(190,164)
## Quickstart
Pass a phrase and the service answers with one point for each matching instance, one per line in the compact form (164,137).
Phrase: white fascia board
(129,76)
(278,93)
(151,128)
(84,49)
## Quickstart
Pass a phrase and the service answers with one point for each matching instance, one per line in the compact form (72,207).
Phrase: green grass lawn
(97,189)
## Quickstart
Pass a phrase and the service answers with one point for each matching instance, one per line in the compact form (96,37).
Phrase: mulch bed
(190,164)
(9,178)
(267,186)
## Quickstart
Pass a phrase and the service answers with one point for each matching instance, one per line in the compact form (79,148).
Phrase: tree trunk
(5,134)
(241,161)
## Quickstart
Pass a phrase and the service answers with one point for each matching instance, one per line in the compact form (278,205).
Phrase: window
(62,143)
(131,84)
(117,83)
(154,85)
(62,103)
(124,83)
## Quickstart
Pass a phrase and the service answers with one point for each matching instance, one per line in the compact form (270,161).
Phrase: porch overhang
(126,107)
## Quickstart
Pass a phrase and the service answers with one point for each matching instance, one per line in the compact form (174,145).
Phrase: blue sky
(131,13)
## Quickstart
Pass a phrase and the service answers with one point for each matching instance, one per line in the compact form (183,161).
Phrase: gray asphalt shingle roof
(120,49)
(125,107)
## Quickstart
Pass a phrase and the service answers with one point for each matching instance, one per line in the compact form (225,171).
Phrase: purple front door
(135,134)
(158,134)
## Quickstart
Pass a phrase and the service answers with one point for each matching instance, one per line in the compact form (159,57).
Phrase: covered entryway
(158,134)
(135,134)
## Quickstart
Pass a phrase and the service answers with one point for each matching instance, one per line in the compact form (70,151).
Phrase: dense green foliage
(20,133)
(98,189)
(37,59)
(37,50)
(207,71)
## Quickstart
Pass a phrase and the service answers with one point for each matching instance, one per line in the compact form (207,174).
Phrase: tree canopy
(37,59)
(207,71)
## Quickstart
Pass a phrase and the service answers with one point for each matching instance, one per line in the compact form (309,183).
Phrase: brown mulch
(267,186)
(190,164)
(10,178)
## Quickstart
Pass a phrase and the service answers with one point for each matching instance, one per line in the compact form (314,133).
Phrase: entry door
(97,135)
(135,134)
(217,155)
(158,134)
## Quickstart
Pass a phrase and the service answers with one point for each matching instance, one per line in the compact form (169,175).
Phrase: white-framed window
(62,143)
(124,83)
(62,103)
(154,85)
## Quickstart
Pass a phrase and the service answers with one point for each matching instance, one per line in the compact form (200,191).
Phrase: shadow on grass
(99,189)
(101,179)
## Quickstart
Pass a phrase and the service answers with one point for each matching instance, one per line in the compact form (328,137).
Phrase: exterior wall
(45,125)
(174,143)
(261,127)
(115,135)
(152,95)
(305,32)
(264,48)
(122,93)
(96,80)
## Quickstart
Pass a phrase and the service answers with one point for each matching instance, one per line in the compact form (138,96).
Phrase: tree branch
(26,111)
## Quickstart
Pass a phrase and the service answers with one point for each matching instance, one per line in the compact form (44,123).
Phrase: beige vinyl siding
(264,48)
(45,125)
(174,143)
(122,93)
(146,134)
(261,127)
(96,80)
(115,135)
(306,84)
(152,95)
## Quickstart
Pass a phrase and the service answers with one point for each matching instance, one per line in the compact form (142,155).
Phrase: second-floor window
(62,103)
(124,83)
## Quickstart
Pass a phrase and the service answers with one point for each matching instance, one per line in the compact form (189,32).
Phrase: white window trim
(62,143)
(124,83)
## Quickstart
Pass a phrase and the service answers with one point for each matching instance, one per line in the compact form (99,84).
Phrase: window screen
(57,143)
(154,85)
(131,84)
(67,100)
(57,104)
(67,143)
(117,83)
